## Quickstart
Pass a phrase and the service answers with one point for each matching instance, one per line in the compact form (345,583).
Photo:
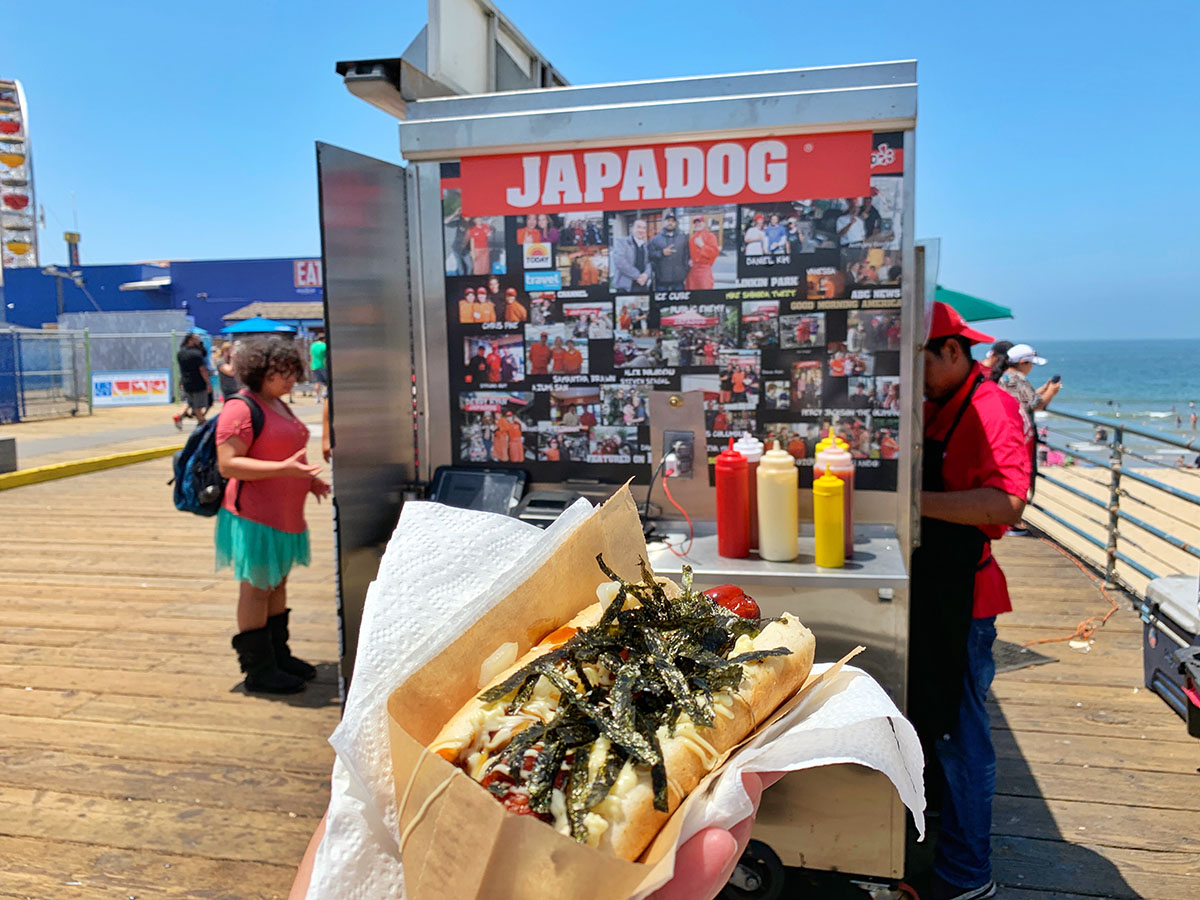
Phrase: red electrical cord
(691,529)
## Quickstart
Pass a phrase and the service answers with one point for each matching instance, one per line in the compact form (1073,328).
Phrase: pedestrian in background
(226,375)
(317,351)
(193,378)
(261,530)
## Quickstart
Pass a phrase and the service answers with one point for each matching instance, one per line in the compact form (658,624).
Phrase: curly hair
(257,358)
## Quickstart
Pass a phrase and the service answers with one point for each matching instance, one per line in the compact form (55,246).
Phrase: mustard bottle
(827,519)
(778,492)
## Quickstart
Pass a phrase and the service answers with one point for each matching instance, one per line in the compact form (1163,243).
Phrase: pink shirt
(275,502)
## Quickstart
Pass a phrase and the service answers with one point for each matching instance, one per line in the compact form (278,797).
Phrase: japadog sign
(141,388)
(746,170)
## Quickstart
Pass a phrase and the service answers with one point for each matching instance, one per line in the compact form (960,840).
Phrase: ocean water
(1144,384)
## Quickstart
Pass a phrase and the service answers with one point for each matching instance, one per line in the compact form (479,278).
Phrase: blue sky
(1055,140)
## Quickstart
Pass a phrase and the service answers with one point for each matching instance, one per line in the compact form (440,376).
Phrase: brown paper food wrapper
(456,841)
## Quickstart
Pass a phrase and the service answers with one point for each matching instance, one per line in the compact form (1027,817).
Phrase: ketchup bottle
(733,504)
(751,448)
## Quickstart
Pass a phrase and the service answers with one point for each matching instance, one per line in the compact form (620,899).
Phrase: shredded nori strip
(577,784)
(658,777)
(755,655)
(541,777)
(654,662)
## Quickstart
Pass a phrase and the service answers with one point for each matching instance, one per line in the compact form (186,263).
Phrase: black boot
(257,659)
(278,626)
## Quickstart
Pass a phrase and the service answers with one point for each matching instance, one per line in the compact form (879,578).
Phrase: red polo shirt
(986,450)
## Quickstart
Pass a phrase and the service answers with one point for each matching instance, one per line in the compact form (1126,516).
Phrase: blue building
(207,290)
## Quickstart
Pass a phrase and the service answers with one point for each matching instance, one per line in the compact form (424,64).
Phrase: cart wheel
(759,875)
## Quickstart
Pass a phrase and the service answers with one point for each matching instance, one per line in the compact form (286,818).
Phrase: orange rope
(691,530)
(1085,629)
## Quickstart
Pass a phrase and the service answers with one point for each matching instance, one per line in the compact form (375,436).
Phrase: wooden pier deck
(131,763)
(1098,786)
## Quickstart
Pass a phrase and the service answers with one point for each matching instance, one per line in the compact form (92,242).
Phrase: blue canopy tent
(258,325)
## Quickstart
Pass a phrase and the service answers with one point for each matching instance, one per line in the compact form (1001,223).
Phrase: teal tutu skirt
(259,554)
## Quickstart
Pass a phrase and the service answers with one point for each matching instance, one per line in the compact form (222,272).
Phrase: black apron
(941,601)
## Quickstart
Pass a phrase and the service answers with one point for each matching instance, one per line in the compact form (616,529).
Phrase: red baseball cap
(945,321)
(511,292)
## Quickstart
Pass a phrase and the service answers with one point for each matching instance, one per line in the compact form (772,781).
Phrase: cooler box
(1171,620)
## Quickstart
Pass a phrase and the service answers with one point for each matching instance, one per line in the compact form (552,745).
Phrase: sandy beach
(1157,508)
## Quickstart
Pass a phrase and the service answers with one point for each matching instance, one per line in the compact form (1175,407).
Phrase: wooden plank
(182,829)
(1097,871)
(138,621)
(1160,724)
(1158,790)
(213,783)
(1008,892)
(1098,753)
(214,688)
(149,641)
(274,753)
(1009,692)
(218,715)
(43,869)
(223,664)
(48,704)
(1120,677)
(1096,823)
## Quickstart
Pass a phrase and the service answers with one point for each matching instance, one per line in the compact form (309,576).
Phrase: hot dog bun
(626,820)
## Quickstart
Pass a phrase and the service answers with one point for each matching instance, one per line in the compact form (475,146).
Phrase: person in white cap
(1016,365)
(1021,360)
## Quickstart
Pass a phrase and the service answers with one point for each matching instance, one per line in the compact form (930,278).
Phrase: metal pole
(18,391)
(1114,506)
(18,358)
(58,291)
(87,366)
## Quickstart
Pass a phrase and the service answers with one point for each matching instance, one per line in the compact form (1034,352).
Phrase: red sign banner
(702,173)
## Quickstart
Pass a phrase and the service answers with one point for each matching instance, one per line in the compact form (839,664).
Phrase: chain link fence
(43,374)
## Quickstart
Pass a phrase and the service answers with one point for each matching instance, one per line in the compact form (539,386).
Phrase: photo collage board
(785,314)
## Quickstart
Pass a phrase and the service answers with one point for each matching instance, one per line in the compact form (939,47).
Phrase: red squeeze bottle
(733,504)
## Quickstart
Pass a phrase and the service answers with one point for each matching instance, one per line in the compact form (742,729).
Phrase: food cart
(563,281)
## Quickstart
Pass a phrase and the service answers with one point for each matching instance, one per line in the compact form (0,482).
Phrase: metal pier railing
(1101,501)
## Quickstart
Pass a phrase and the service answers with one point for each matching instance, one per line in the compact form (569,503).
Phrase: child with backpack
(261,530)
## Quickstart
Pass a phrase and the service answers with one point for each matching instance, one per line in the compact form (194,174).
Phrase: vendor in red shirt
(975,480)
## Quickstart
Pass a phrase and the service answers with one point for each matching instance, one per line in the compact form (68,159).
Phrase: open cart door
(364,248)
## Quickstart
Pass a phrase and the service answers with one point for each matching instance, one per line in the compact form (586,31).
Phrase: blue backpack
(199,485)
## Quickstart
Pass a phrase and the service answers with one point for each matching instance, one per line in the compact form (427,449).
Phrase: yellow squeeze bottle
(778,492)
(827,519)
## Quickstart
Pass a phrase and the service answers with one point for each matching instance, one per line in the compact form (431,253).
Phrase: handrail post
(1114,505)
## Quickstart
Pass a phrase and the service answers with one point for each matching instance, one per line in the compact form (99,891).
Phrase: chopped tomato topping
(517,802)
(494,776)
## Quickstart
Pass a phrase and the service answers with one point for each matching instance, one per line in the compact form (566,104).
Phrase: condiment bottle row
(758,502)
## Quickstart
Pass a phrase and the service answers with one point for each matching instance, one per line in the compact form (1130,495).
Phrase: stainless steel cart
(391,357)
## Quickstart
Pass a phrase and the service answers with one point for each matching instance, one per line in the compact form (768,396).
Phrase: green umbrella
(973,309)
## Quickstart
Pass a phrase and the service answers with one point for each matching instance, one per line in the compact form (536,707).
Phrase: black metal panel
(364,245)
